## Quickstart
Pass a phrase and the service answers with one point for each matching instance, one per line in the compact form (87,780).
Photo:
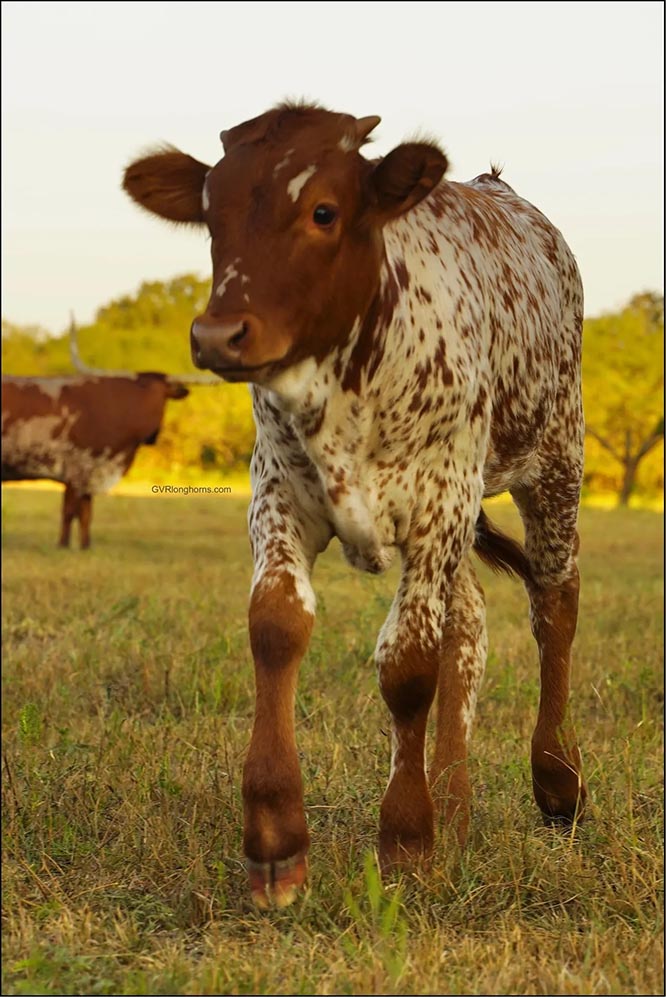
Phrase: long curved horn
(79,364)
(83,367)
(195,379)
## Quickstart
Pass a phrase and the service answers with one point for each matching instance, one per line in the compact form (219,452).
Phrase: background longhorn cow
(83,431)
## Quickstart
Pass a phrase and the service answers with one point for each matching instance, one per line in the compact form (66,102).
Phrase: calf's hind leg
(549,510)
(85,517)
(70,510)
(462,663)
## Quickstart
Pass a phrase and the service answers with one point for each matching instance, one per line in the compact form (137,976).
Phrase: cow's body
(81,431)
(440,372)
(441,366)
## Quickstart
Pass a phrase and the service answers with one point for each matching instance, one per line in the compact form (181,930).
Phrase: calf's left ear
(405,177)
(168,183)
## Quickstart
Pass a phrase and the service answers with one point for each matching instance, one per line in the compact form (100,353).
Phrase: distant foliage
(623,388)
(29,351)
(212,430)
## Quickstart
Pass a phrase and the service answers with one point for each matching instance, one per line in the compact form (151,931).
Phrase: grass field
(127,707)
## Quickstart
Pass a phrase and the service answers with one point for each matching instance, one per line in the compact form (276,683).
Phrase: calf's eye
(324,215)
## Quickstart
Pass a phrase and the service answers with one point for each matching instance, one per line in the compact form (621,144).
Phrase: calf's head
(295,215)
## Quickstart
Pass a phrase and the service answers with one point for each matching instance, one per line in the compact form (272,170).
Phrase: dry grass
(127,707)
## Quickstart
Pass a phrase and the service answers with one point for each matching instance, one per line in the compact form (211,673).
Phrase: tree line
(212,430)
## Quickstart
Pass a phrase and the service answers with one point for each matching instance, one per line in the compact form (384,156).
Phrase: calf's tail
(500,552)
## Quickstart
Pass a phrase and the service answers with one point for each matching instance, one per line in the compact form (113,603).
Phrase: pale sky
(568,96)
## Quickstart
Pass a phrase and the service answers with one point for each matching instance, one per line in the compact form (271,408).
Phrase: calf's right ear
(168,183)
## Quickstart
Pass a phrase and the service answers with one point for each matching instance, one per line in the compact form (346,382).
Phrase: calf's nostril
(238,337)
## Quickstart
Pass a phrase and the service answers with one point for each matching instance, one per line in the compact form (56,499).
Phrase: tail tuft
(500,552)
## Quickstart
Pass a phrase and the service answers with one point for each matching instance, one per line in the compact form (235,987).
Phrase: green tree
(148,330)
(623,386)
(30,351)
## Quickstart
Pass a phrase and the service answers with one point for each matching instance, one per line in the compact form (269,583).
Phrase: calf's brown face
(295,215)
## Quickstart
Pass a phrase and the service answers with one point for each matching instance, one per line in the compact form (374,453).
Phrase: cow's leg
(281,616)
(407,668)
(549,511)
(462,663)
(70,508)
(85,518)
(408,658)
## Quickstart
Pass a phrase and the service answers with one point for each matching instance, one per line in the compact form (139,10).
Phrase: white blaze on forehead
(229,274)
(297,183)
(283,162)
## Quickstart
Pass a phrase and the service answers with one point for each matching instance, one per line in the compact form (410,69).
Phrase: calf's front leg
(275,833)
(70,510)
(407,658)
(408,679)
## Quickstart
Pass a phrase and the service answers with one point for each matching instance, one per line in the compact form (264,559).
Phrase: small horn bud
(364,126)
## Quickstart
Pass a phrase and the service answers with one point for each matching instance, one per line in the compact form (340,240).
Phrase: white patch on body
(205,199)
(297,183)
(35,446)
(52,386)
(41,447)
(305,593)
(106,472)
(292,384)
(269,578)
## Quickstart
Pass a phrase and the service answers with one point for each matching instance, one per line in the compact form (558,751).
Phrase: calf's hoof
(561,800)
(398,854)
(277,884)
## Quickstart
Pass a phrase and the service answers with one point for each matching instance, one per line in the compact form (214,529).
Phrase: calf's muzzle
(220,345)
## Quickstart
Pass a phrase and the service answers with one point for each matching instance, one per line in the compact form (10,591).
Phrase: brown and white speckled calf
(82,431)
(413,346)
